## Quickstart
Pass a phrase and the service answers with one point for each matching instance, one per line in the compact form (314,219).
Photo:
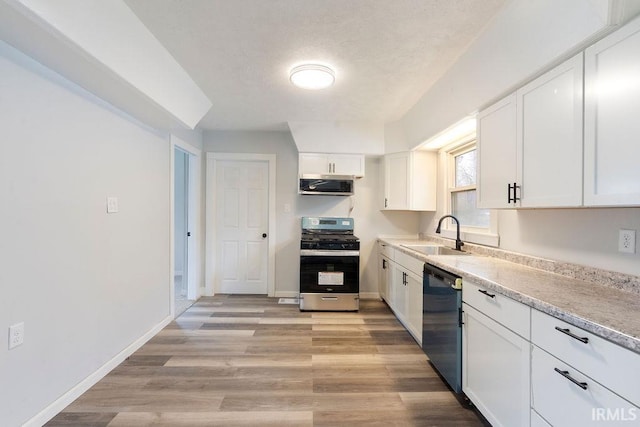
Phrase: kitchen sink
(434,250)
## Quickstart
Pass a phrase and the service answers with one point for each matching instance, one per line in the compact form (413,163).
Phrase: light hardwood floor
(247,360)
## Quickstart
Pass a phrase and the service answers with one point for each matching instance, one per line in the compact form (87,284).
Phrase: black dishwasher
(442,323)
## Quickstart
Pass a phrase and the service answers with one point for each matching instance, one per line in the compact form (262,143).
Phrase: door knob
(264,235)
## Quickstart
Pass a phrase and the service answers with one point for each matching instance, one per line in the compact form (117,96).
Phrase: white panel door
(497,156)
(495,370)
(242,196)
(550,137)
(312,163)
(347,164)
(414,305)
(612,125)
(396,171)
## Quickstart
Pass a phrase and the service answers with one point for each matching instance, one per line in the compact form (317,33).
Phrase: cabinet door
(495,370)
(313,163)
(396,180)
(392,284)
(496,153)
(549,134)
(383,273)
(347,164)
(399,294)
(414,306)
(612,125)
(422,180)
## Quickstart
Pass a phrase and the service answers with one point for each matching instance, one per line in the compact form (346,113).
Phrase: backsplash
(626,282)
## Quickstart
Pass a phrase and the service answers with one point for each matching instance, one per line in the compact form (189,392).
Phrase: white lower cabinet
(495,369)
(580,379)
(384,276)
(399,302)
(413,297)
(537,420)
(400,285)
(565,396)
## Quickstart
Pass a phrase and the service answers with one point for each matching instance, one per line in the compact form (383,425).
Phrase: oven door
(329,271)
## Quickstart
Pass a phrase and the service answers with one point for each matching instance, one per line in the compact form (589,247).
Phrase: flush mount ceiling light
(312,76)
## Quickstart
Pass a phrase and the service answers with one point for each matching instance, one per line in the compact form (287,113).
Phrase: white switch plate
(112,204)
(287,207)
(16,335)
(627,241)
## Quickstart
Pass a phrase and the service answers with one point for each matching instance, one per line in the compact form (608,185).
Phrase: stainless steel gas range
(329,265)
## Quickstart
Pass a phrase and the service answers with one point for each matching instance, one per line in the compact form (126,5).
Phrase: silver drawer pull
(570,378)
(572,335)
(329,298)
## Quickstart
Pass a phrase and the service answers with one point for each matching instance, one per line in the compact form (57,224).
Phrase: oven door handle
(313,252)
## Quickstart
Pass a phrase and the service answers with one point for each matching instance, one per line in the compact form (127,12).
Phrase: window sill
(485,239)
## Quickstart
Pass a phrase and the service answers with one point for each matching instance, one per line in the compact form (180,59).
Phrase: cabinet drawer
(537,420)
(564,403)
(504,310)
(386,250)
(608,363)
(410,263)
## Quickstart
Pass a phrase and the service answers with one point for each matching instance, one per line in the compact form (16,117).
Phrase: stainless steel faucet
(459,242)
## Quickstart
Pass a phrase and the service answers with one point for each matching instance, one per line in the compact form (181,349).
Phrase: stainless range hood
(326,185)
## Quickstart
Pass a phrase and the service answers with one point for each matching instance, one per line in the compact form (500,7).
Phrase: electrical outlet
(112,205)
(627,241)
(16,335)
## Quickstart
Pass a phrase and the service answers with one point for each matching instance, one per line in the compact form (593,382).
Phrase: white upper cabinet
(338,164)
(410,181)
(530,143)
(497,154)
(612,119)
(549,138)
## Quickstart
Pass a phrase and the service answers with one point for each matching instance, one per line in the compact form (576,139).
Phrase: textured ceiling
(386,53)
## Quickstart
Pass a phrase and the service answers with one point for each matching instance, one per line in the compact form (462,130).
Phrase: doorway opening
(183,288)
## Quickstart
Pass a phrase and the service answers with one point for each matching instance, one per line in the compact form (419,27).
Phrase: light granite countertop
(608,312)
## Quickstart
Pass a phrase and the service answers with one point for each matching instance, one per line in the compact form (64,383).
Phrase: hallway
(247,360)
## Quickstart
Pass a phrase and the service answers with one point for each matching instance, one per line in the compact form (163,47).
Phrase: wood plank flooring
(249,361)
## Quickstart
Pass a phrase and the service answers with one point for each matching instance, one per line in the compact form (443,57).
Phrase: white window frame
(479,235)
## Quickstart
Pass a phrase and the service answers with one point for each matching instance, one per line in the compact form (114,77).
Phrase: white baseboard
(369,295)
(63,401)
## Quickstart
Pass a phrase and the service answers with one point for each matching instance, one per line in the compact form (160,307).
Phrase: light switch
(112,204)
(287,207)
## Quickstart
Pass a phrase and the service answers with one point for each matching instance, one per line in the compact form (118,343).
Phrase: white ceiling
(386,53)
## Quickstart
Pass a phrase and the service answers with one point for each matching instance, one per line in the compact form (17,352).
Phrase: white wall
(369,220)
(525,37)
(351,137)
(86,284)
